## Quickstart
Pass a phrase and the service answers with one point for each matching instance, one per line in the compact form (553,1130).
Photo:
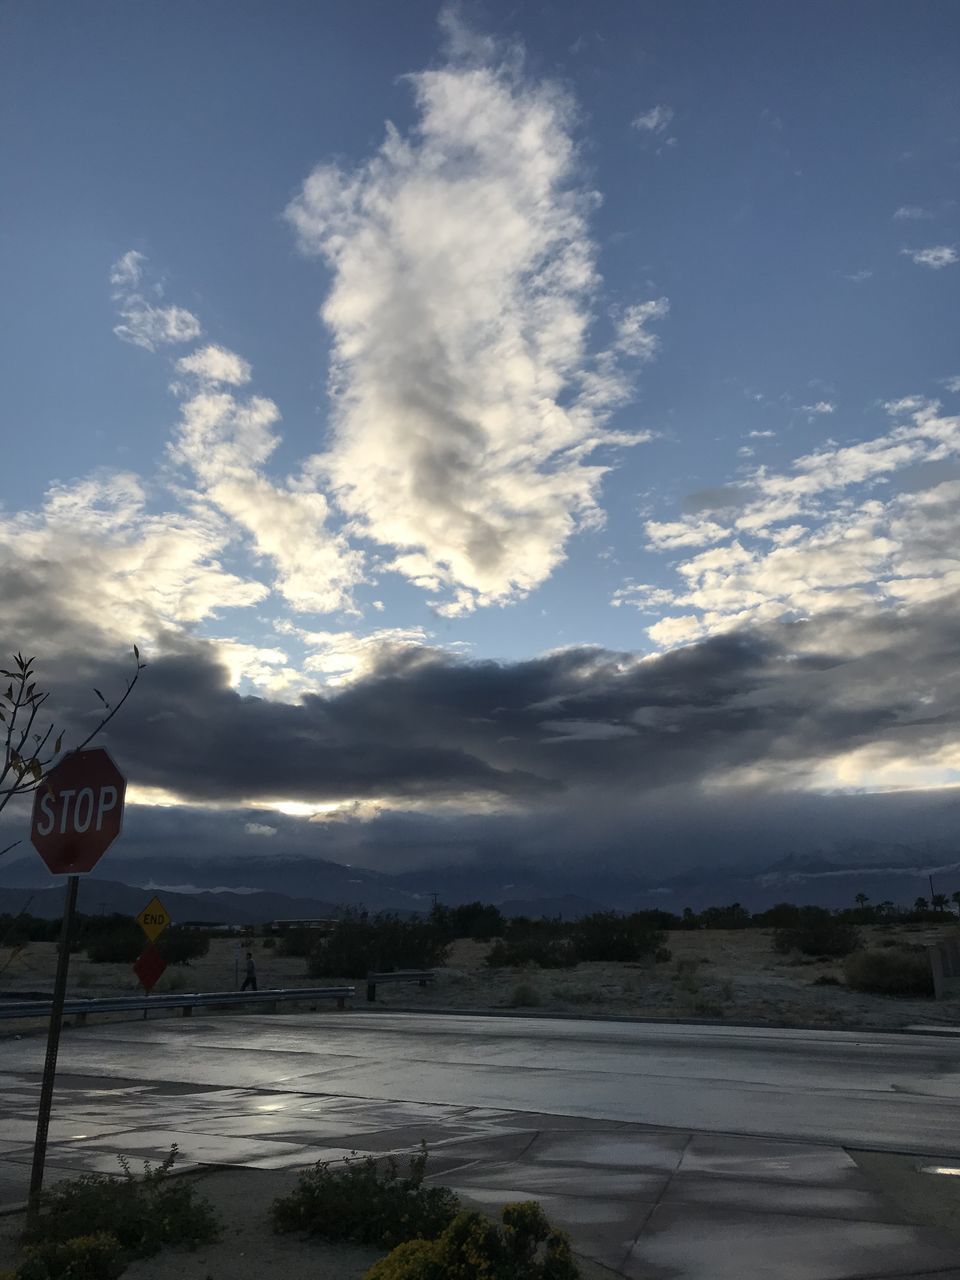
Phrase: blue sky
(313,398)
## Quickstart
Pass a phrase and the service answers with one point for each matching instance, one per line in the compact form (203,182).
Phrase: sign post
(77,814)
(150,964)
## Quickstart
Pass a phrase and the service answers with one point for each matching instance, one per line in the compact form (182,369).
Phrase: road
(882,1091)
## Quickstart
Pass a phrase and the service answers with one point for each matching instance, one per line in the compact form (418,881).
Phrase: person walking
(251,979)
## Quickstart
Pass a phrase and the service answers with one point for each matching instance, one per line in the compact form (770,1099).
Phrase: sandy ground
(733,975)
(248,1248)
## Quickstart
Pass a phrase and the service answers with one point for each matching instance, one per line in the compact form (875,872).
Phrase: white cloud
(936,257)
(342,656)
(465,398)
(145,324)
(761,435)
(911,213)
(259,829)
(216,364)
(633,336)
(227,443)
(656,120)
(820,408)
(952,384)
(858,277)
(843,548)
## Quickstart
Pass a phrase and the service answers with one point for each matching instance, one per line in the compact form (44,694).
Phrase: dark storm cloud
(433,727)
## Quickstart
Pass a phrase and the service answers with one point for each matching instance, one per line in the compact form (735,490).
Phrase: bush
(269,944)
(524,996)
(817,933)
(524,1247)
(546,952)
(609,936)
(478,920)
(143,1213)
(664,955)
(369,1203)
(119,942)
(297,942)
(91,1257)
(826,980)
(890,973)
(360,943)
(180,946)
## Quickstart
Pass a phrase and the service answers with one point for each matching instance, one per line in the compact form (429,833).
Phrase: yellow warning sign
(153,919)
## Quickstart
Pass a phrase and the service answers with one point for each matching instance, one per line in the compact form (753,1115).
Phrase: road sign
(153,919)
(149,966)
(77,811)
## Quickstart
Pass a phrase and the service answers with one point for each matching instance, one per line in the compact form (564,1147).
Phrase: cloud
(822,537)
(912,213)
(143,323)
(819,409)
(858,277)
(656,120)
(952,384)
(226,442)
(633,336)
(936,257)
(259,829)
(466,402)
(216,364)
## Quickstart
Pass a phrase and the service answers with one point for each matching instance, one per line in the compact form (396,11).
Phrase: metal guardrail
(420,976)
(187,1002)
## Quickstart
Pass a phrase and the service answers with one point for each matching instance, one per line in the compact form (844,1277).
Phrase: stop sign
(77,811)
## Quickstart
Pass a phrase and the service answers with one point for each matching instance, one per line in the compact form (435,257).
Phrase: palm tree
(886,907)
(921,905)
(861,900)
(940,902)
(956,898)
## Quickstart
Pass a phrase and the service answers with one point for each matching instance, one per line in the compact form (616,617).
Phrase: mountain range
(257,889)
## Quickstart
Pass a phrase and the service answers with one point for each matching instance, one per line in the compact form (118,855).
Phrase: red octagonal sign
(77,811)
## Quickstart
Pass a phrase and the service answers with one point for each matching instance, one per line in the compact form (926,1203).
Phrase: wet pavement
(584,1117)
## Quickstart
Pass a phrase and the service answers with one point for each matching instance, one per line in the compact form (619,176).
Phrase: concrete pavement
(667,1151)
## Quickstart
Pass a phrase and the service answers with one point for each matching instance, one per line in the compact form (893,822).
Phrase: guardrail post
(371,990)
(188,1010)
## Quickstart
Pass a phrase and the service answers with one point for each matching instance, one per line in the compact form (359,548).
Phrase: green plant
(144,1212)
(524,996)
(826,980)
(817,933)
(269,944)
(90,1257)
(360,942)
(685,975)
(663,956)
(890,973)
(522,1247)
(180,946)
(726,990)
(616,938)
(366,1201)
(112,939)
(544,951)
(176,982)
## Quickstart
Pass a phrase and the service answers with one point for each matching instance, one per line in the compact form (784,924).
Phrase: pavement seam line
(671,1174)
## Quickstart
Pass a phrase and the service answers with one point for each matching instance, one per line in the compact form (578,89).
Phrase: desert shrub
(114,940)
(297,942)
(367,1202)
(685,974)
(782,915)
(733,917)
(180,946)
(359,943)
(269,944)
(90,1257)
(664,955)
(889,973)
(143,1213)
(15,930)
(524,996)
(522,1247)
(176,982)
(478,920)
(817,933)
(826,980)
(546,952)
(609,936)
(726,990)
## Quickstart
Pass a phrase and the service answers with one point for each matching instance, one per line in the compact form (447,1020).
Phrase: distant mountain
(108,897)
(261,888)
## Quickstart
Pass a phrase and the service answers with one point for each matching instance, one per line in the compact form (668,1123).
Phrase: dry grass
(733,975)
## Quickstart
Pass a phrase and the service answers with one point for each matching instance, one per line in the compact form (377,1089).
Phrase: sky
(514,418)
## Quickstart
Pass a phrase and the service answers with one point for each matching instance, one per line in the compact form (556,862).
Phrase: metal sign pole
(53,1037)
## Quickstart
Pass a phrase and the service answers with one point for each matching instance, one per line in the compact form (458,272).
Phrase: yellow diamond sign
(153,919)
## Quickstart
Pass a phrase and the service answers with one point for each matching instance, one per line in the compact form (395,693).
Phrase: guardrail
(187,1002)
(420,976)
